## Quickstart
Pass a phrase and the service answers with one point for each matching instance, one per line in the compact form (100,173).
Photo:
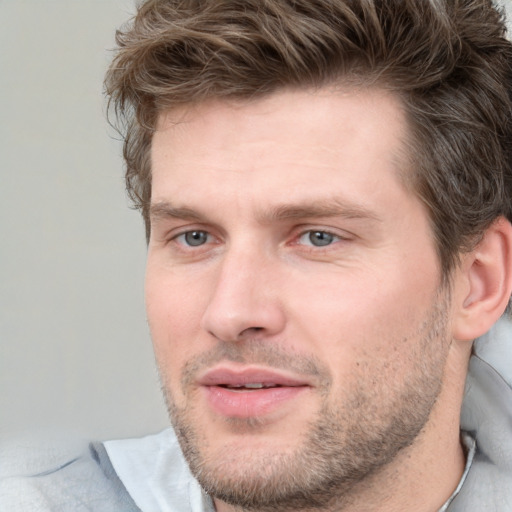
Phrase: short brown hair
(448,60)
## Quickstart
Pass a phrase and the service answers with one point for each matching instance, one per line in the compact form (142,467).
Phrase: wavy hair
(449,62)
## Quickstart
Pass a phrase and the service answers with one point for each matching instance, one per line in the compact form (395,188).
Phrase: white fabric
(156,475)
(470,445)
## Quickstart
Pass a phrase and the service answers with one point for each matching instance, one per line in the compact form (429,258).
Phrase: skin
(362,321)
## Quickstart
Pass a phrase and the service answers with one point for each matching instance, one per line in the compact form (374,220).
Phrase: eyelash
(332,237)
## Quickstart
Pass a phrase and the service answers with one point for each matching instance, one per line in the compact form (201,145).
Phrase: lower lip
(250,404)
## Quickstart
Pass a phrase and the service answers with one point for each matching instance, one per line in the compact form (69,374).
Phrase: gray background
(74,346)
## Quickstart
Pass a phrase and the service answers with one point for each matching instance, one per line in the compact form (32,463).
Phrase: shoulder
(78,476)
(486,415)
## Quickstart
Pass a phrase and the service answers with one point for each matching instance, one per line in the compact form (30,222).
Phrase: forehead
(332,106)
(289,142)
(293,144)
(311,127)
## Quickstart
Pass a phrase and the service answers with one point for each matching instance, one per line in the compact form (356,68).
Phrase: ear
(483,284)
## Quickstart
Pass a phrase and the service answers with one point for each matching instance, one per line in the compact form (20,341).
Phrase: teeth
(251,385)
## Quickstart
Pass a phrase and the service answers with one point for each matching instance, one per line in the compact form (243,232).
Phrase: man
(326,186)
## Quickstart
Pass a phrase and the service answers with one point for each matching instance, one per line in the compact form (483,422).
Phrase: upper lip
(228,376)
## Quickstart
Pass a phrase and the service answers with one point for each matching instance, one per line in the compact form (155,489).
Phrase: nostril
(250,330)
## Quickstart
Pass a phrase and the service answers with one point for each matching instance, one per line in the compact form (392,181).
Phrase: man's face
(293,293)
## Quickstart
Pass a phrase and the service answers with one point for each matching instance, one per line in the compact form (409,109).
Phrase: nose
(245,300)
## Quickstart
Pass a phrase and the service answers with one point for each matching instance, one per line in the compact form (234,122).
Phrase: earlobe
(484,283)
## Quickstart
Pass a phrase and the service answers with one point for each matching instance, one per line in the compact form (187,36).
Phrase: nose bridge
(243,296)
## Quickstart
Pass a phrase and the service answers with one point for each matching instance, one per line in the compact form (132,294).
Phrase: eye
(193,238)
(318,238)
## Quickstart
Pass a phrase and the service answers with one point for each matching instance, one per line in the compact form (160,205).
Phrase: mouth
(250,392)
(234,377)
(250,386)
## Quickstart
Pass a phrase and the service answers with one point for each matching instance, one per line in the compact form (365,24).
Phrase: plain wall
(74,345)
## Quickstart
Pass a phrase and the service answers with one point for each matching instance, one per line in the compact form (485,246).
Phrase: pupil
(320,238)
(195,238)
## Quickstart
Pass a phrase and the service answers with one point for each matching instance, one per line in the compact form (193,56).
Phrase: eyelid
(323,231)
(183,230)
(173,231)
(335,232)
(341,237)
(173,235)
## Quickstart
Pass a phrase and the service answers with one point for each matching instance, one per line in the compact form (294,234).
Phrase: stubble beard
(347,443)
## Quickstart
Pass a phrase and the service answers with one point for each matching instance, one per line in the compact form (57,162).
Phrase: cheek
(174,312)
(363,317)
(174,301)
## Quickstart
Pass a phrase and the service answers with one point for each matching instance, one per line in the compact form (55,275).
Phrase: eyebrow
(309,210)
(317,209)
(164,210)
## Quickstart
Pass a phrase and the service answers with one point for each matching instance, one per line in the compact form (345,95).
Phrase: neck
(421,478)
